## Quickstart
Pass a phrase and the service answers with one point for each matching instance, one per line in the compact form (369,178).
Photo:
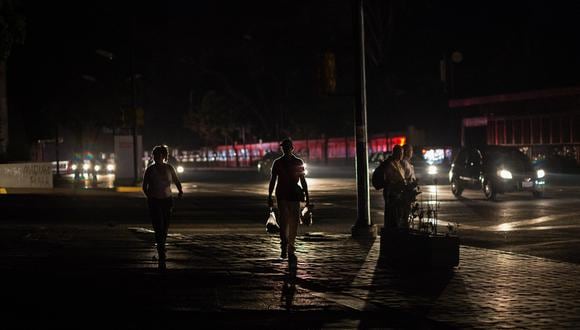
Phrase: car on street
(431,164)
(264,165)
(495,170)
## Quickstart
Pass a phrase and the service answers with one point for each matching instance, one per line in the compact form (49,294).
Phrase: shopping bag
(306,215)
(272,226)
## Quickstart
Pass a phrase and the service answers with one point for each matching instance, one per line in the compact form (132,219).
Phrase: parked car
(495,170)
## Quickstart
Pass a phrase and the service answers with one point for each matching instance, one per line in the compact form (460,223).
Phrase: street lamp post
(134,119)
(363,228)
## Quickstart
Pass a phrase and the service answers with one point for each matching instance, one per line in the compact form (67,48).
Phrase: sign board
(26,175)
(124,166)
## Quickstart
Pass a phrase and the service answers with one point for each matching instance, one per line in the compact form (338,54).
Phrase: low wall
(26,175)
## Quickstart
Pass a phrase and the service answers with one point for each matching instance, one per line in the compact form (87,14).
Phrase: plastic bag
(272,226)
(306,215)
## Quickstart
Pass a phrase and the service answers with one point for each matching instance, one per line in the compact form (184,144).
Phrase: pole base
(412,249)
(364,231)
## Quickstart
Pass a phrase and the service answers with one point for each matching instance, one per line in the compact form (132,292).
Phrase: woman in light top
(157,187)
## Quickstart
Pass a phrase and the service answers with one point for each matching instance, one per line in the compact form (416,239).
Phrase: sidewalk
(103,276)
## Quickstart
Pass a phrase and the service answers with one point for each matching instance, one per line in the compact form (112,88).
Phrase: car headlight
(432,170)
(86,167)
(180,169)
(540,174)
(97,168)
(110,167)
(504,174)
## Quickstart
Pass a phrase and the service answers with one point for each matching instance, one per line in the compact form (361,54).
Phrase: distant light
(97,168)
(180,169)
(432,170)
(74,167)
(110,167)
(505,174)
(541,174)
(86,167)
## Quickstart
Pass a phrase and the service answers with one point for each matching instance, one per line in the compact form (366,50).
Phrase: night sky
(259,65)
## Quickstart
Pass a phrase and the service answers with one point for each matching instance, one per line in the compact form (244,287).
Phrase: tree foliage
(12,27)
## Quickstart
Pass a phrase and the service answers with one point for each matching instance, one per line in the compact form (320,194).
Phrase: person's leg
(166,216)
(284,214)
(293,220)
(156,220)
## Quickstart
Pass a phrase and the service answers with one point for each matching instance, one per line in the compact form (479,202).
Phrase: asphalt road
(236,202)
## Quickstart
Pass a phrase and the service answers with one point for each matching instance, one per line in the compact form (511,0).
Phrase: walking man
(287,170)
(157,187)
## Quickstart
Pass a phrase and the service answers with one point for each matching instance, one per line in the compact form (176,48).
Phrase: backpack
(378,177)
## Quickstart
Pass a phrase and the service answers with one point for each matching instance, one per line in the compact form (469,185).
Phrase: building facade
(544,124)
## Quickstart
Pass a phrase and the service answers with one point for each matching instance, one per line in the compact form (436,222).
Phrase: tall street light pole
(363,228)
(134,103)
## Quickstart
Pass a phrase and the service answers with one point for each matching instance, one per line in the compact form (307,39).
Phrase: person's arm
(273,177)
(387,174)
(305,188)
(176,181)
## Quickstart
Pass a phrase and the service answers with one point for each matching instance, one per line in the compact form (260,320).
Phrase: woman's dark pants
(160,211)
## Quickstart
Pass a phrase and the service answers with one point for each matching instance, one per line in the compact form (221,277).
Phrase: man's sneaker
(292,260)
(283,252)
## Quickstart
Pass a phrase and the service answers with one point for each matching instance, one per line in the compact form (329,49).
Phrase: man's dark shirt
(289,169)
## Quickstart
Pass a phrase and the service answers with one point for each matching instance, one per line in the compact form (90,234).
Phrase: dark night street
(233,202)
(360,164)
(94,249)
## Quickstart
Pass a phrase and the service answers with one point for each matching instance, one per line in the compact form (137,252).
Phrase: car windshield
(511,159)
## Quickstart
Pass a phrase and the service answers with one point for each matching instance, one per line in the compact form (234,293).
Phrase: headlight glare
(540,174)
(432,170)
(180,169)
(505,174)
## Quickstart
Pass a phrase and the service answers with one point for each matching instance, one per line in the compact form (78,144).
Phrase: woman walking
(157,187)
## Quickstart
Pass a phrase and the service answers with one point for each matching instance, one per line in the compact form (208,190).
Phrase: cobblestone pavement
(239,281)
(489,289)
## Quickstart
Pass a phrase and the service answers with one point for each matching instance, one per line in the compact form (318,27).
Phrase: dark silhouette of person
(287,170)
(393,191)
(157,187)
